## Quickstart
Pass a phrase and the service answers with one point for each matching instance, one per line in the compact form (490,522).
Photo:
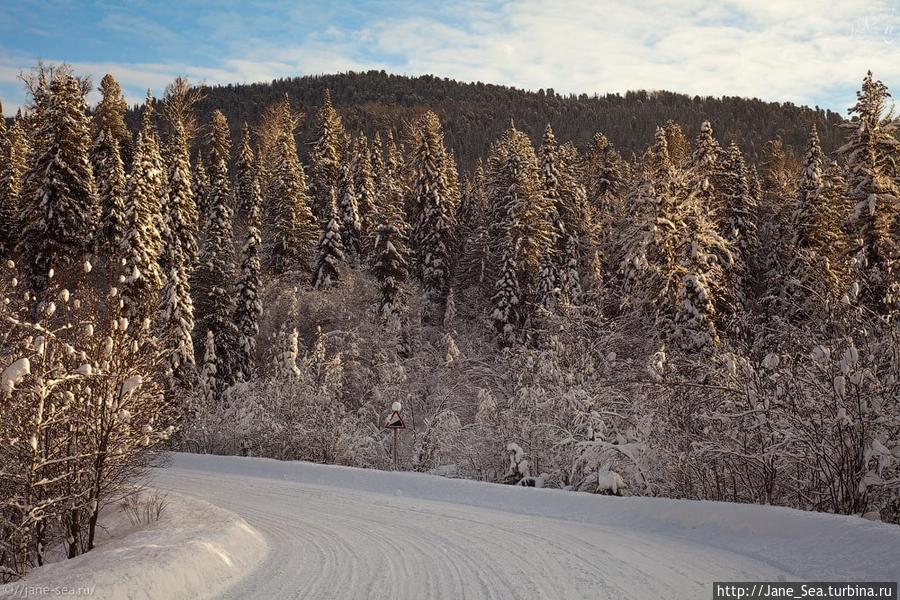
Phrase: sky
(806,52)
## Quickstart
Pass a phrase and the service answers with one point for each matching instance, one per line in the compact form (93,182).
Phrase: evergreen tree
(214,277)
(325,157)
(873,182)
(293,229)
(111,190)
(706,165)
(507,314)
(740,225)
(330,251)
(433,234)
(58,222)
(348,213)
(364,185)
(142,245)
(210,385)
(11,179)
(200,188)
(177,322)
(245,178)
(181,218)
(249,307)
(390,269)
(109,116)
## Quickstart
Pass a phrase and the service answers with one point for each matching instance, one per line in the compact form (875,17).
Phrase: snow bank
(194,551)
(812,546)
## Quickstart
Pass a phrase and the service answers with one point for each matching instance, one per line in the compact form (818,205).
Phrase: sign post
(395,422)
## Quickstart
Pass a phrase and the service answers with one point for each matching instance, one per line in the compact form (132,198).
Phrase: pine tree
(214,277)
(873,181)
(293,229)
(142,245)
(110,116)
(58,221)
(325,157)
(249,307)
(109,173)
(348,213)
(330,251)
(11,179)
(433,234)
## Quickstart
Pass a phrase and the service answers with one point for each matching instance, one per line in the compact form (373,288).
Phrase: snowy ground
(334,532)
(195,550)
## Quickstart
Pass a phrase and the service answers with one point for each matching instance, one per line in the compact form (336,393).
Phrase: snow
(13,375)
(340,532)
(195,550)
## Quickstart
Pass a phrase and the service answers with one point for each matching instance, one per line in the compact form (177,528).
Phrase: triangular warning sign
(395,421)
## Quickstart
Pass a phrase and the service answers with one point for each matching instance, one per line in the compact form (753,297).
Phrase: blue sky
(790,50)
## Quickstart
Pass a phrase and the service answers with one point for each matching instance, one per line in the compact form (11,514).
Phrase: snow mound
(194,551)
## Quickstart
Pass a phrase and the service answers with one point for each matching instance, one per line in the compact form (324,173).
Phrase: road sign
(395,421)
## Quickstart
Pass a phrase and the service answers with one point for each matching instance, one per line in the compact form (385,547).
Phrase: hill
(476,114)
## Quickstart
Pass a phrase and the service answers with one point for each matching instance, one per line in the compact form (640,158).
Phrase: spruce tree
(177,322)
(109,172)
(200,188)
(870,154)
(433,233)
(142,245)
(292,228)
(330,252)
(181,218)
(507,315)
(364,185)
(245,178)
(348,213)
(249,307)
(214,277)
(740,225)
(58,221)
(325,157)
(110,116)
(390,268)
(11,179)
(210,384)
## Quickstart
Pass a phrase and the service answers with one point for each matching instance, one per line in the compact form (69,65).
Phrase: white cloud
(786,50)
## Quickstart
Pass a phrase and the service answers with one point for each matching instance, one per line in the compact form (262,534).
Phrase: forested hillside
(475,114)
(706,314)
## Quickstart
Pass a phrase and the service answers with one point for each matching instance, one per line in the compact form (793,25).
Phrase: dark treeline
(475,114)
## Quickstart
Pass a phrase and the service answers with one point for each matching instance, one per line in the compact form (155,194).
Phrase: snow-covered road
(335,532)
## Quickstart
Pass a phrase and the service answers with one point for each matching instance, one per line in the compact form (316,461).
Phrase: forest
(646,294)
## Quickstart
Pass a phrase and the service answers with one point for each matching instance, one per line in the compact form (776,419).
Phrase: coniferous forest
(646,294)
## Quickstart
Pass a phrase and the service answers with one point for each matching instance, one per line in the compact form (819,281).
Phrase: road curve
(328,542)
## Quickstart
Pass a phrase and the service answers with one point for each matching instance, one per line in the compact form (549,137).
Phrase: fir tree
(142,245)
(870,153)
(348,213)
(58,222)
(11,179)
(740,225)
(507,314)
(111,190)
(433,235)
(177,322)
(293,229)
(325,157)
(244,193)
(364,185)
(200,188)
(390,269)
(210,386)
(214,276)
(330,252)
(109,116)
(249,307)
